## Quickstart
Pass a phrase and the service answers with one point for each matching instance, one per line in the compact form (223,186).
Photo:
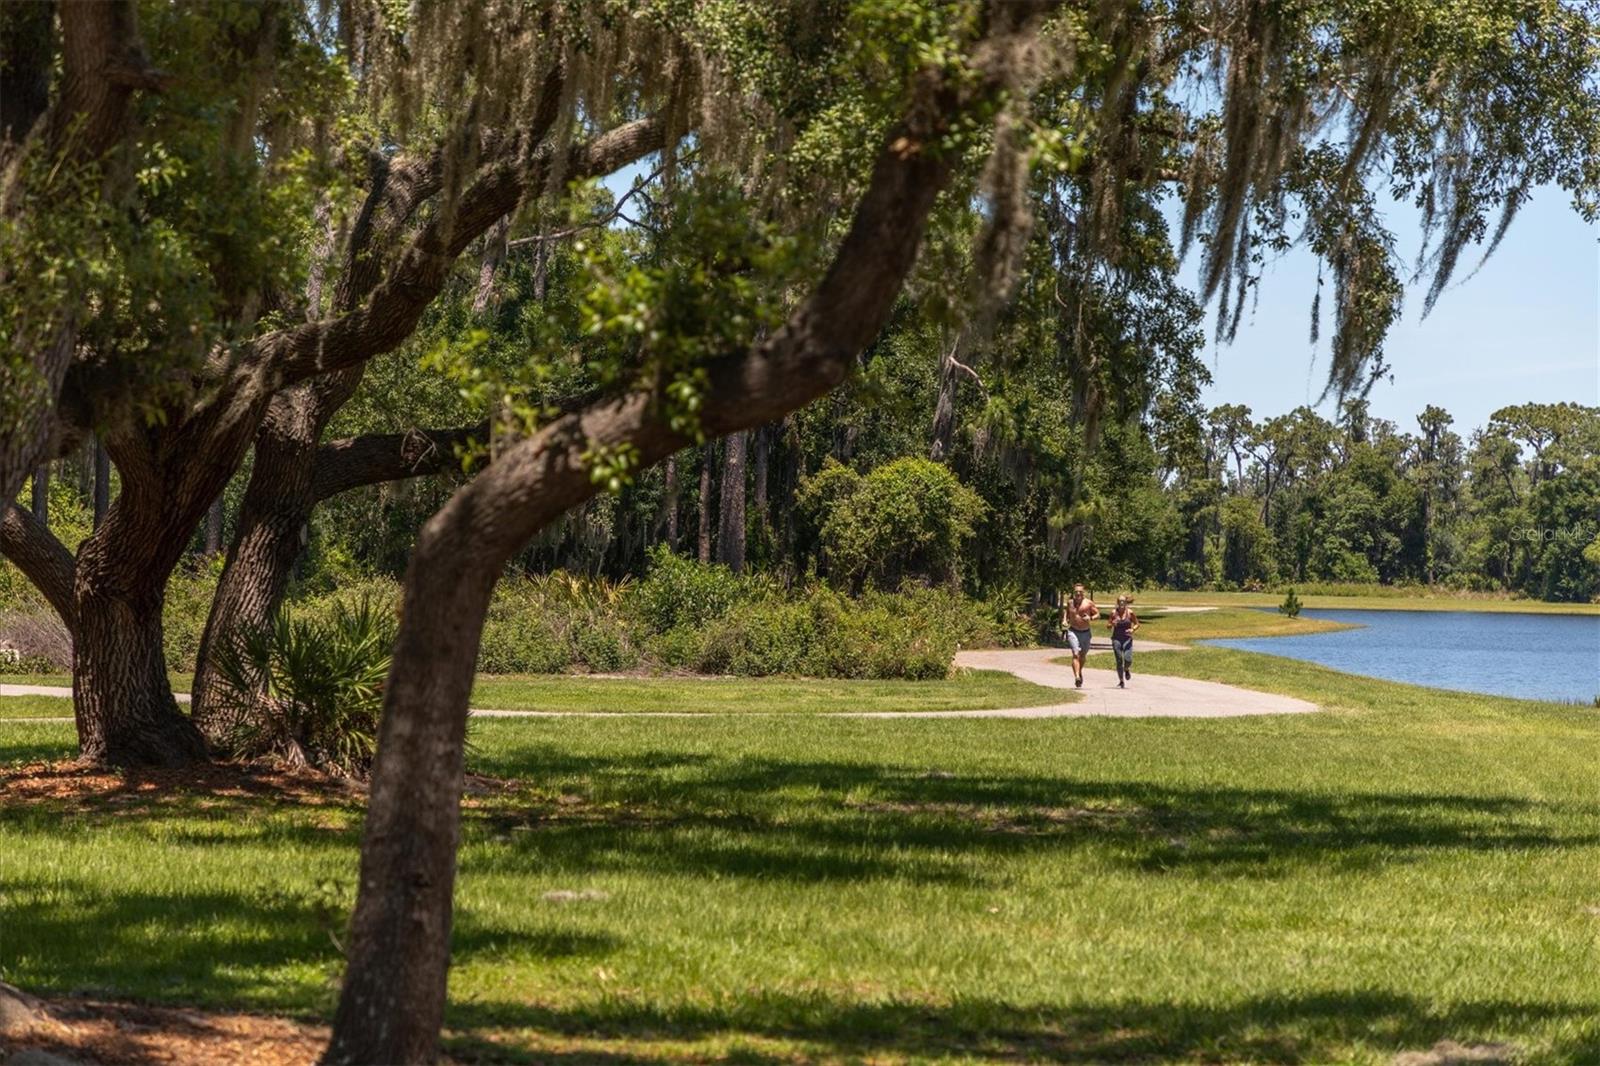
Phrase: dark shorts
(1078,641)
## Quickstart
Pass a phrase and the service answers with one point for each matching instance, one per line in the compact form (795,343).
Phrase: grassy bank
(1183,626)
(1408,867)
(1364,597)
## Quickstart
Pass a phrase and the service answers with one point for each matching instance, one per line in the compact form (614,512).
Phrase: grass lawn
(970,690)
(1370,598)
(1407,867)
(179,682)
(35,707)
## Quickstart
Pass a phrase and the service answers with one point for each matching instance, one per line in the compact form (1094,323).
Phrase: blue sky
(1525,328)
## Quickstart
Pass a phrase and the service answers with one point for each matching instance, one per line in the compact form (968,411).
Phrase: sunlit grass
(1183,626)
(968,690)
(35,707)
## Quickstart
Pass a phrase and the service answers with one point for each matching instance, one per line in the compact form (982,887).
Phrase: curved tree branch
(374,458)
(387,318)
(42,558)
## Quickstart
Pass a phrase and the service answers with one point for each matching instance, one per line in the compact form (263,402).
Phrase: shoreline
(1157,600)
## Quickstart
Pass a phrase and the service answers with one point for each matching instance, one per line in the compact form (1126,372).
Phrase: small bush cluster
(683,616)
(308,688)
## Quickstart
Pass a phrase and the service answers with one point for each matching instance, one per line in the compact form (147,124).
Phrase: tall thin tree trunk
(669,506)
(392,1002)
(214,519)
(708,456)
(41,494)
(86,469)
(730,531)
(760,450)
(102,481)
(944,410)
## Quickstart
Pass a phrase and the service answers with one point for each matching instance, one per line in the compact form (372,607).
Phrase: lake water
(1529,656)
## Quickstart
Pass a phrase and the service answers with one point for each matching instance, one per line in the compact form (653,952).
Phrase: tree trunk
(41,494)
(86,469)
(102,481)
(760,450)
(730,532)
(392,1003)
(268,536)
(121,696)
(707,457)
(944,408)
(214,519)
(669,506)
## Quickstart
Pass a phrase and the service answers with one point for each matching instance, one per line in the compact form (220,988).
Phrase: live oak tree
(260,355)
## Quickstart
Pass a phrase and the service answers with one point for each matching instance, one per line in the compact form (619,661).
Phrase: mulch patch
(74,784)
(113,1034)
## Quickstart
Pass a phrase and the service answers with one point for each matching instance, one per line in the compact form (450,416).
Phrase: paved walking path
(1147,695)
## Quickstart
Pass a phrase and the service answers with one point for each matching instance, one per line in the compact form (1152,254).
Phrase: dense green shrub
(183,618)
(908,519)
(682,592)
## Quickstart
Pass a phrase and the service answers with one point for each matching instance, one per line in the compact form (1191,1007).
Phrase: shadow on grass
(834,821)
(821,822)
(1318,1027)
(273,950)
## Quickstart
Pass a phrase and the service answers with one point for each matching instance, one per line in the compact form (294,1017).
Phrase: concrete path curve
(1147,695)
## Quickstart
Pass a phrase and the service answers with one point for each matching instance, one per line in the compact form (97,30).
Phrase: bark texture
(708,455)
(730,528)
(669,506)
(214,519)
(102,481)
(41,494)
(392,1001)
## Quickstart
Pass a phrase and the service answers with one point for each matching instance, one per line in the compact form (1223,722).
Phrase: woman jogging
(1124,623)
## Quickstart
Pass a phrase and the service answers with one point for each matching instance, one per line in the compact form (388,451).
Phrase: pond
(1527,656)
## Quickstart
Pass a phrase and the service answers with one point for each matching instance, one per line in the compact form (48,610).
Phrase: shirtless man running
(1077,615)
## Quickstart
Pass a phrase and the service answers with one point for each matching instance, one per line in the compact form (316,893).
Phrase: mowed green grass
(1407,867)
(1370,597)
(968,690)
(35,707)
